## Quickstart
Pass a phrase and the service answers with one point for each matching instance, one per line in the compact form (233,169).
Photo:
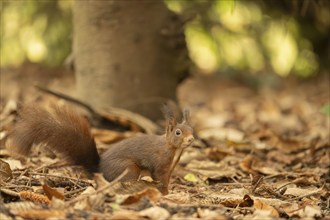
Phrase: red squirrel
(67,133)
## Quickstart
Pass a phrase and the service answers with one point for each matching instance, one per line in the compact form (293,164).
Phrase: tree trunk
(128,54)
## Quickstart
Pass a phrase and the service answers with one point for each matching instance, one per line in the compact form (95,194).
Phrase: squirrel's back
(63,130)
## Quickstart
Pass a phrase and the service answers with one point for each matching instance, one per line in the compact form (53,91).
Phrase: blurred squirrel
(68,133)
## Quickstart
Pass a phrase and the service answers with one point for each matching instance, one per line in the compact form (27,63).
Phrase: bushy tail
(63,130)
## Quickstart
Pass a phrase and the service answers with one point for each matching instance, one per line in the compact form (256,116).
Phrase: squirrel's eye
(178,132)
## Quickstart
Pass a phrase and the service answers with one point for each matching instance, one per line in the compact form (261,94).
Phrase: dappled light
(222,35)
(35,31)
(282,48)
(203,50)
(246,36)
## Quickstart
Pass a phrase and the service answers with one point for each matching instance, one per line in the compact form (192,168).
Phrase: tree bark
(128,54)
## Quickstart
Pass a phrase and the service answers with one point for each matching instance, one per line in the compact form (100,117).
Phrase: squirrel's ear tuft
(167,111)
(170,119)
(186,115)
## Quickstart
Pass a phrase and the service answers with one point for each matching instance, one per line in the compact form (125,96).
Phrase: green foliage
(326,109)
(38,31)
(222,36)
(251,36)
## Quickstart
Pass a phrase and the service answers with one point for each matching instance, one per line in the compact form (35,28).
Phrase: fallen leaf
(155,213)
(191,177)
(134,186)
(246,164)
(306,211)
(265,207)
(178,198)
(217,154)
(210,214)
(42,214)
(295,191)
(5,171)
(100,181)
(151,193)
(253,165)
(207,169)
(125,215)
(14,164)
(50,192)
(310,212)
(82,199)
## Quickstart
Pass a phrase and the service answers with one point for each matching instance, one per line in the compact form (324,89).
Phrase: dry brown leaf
(9,192)
(211,170)
(289,209)
(155,213)
(305,211)
(301,192)
(253,165)
(100,181)
(325,159)
(290,145)
(246,164)
(21,206)
(265,207)
(134,186)
(50,192)
(282,157)
(5,171)
(307,180)
(3,216)
(247,201)
(225,199)
(86,203)
(126,215)
(178,198)
(239,191)
(276,203)
(151,193)
(210,214)
(217,153)
(42,214)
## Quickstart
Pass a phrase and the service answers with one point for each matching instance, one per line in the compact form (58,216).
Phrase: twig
(97,120)
(281,187)
(16,186)
(64,177)
(10,192)
(101,189)
(257,184)
(68,98)
(74,191)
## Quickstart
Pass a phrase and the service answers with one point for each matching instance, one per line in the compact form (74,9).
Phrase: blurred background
(226,37)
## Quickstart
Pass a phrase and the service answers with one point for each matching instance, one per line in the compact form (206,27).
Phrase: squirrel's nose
(190,139)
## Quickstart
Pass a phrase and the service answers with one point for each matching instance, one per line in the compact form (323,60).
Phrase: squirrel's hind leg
(111,170)
(133,172)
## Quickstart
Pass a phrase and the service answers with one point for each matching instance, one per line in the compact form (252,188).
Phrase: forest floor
(261,153)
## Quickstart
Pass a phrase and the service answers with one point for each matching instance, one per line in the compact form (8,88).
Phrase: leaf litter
(260,154)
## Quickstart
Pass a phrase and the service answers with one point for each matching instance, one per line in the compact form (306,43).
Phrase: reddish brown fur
(69,134)
(63,131)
